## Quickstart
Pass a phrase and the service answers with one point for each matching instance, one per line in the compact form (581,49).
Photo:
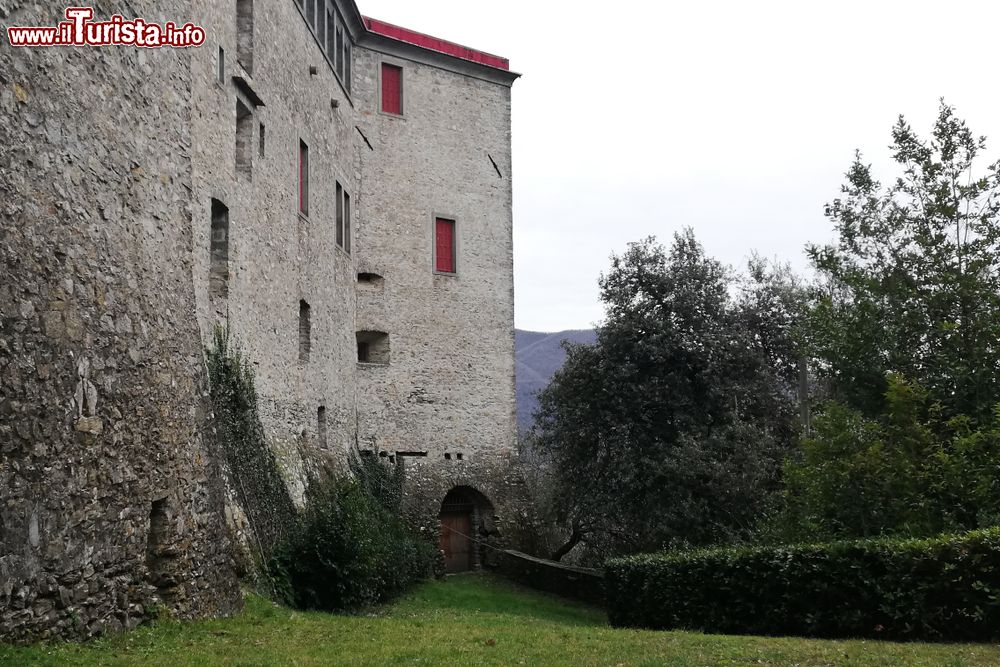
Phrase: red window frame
(444,245)
(392,89)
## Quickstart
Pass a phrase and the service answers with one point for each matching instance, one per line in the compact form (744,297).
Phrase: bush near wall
(347,552)
(946,587)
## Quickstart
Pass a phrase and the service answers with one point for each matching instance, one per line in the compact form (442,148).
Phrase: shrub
(347,552)
(947,587)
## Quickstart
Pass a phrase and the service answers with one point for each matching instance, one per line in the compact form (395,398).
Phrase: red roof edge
(435,44)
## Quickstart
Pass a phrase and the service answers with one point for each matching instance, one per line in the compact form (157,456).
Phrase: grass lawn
(467,620)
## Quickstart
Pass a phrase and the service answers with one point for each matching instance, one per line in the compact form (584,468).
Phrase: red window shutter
(392,89)
(444,249)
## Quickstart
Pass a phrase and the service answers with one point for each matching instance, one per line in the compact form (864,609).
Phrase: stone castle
(334,189)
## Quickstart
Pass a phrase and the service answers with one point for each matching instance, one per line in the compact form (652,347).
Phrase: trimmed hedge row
(946,587)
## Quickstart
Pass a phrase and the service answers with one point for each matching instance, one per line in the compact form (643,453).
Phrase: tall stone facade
(147,196)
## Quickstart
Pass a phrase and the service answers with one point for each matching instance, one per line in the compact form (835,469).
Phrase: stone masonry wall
(116,167)
(276,256)
(110,503)
(449,388)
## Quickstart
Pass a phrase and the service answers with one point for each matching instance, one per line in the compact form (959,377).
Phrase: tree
(670,430)
(913,284)
(907,472)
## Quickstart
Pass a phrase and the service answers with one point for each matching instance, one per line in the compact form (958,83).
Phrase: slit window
(392,89)
(262,139)
(305,330)
(218,280)
(346,77)
(340,215)
(244,34)
(444,245)
(343,221)
(303,178)
(222,66)
(331,34)
(311,13)
(244,140)
(321,426)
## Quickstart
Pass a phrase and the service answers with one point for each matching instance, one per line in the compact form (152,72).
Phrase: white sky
(737,118)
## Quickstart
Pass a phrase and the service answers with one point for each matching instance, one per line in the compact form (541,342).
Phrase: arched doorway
(466,517)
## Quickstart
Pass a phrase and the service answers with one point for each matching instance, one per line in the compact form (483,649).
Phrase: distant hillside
(539,356)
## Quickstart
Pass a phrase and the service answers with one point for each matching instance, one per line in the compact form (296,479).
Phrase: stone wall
(110,501)
(141,207)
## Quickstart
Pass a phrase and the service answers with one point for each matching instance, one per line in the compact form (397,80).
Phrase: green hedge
(946,587)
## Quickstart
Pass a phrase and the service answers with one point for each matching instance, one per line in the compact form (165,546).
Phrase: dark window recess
(346,78)
(222,66)
(244,140)
(458,456)
(447,456)
(303,178)
(218,277)
(331,33)
(262,139)
(392,89)
(347,223)
(244,34)
(321,425)
(373,347)
(311,13)
(371,279)
(305,331)
(444,245)
(157,545)
(343,218)
(414,454)
(338,56)
(340,214)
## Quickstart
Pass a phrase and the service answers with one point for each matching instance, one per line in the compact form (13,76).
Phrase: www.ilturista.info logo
(79,30)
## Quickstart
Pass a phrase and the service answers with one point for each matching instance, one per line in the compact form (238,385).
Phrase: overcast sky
(736,118)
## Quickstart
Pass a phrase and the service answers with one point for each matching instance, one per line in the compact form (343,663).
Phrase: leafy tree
(671,428)
(906,472)
(913,284)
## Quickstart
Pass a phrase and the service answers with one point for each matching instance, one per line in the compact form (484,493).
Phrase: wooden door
(457,548)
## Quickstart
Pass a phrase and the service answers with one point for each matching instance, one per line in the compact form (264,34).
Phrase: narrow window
(347,64)
(262,139)
(331,35)
(373,347)
(338,57)
(444,245)
(340,215)
(244,140)
(347,223)
(311,13)
(305,331)
(321,425)
(244,34)
(218,279)
(320,24)
(222,66)
(303,178)
(392,89)
(157,545)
